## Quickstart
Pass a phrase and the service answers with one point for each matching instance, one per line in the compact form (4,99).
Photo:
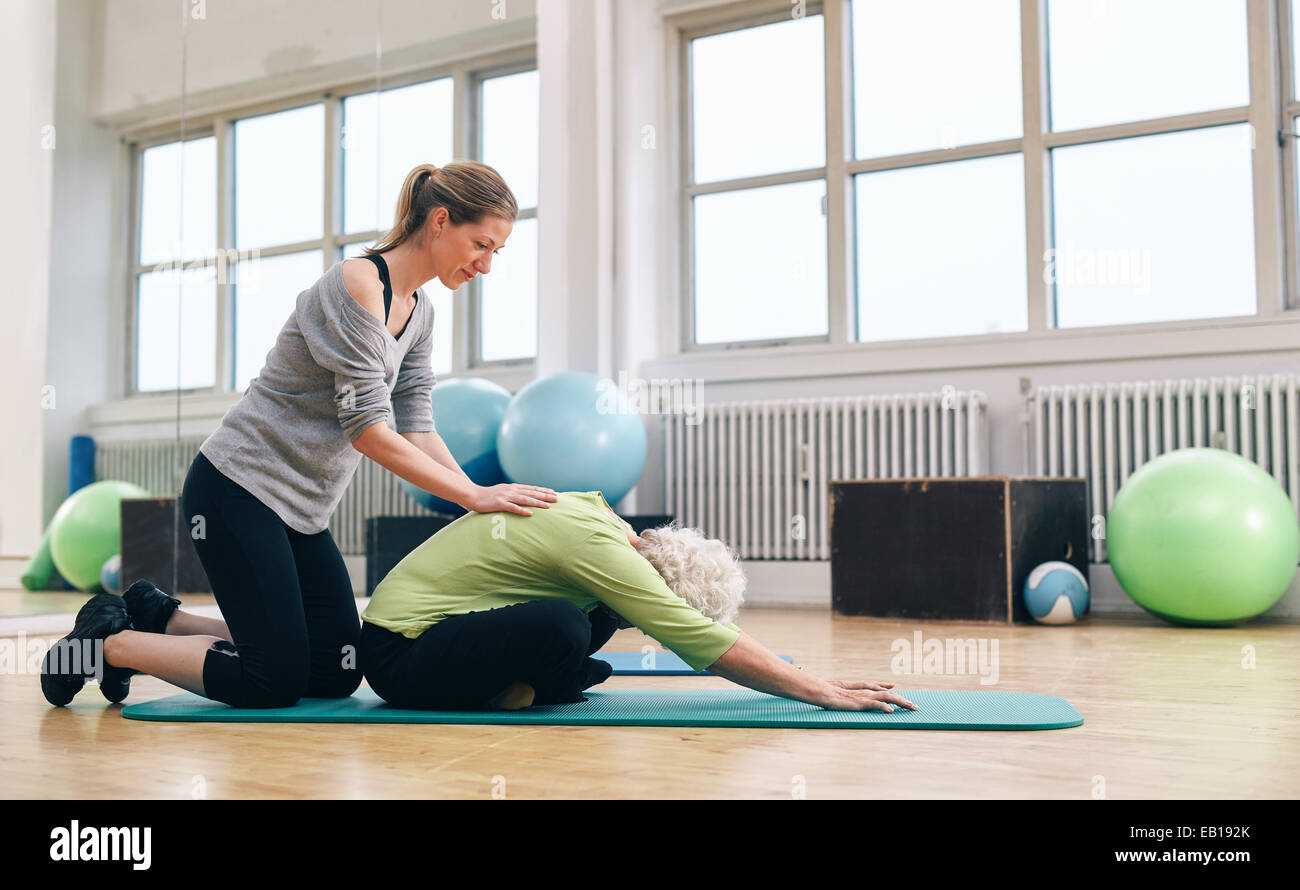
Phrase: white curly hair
(703,571)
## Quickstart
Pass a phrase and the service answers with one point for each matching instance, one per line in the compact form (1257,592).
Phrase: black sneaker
(76,656)
(150,608)
(115,683)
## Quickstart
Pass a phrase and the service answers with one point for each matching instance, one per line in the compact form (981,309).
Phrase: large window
(279,210)
(1113,182)
(1151,222)
(234,226)
(385,135)
(757,183)
(941,245)
(172,272)
(507,298)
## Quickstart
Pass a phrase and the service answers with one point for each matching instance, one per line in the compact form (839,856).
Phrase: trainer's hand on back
(510,497)
(863,695)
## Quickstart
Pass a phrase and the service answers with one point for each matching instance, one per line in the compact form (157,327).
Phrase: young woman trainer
(261,490)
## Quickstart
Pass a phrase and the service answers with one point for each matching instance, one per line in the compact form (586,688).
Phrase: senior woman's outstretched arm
(751,664)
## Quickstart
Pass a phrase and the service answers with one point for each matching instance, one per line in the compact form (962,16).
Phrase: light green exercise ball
(87,530)
(1202,536)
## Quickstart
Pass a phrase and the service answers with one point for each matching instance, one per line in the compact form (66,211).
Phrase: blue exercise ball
(573,431)
(111,574)
(467,412)
(1056,593)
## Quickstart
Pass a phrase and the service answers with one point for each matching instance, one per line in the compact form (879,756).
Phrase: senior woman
(260,492)
(505,612)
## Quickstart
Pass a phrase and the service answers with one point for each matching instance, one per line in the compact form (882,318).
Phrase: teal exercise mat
(656,707)
(653,664)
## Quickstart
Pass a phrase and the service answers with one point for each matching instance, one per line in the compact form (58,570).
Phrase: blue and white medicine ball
(1056,593)
(109,575)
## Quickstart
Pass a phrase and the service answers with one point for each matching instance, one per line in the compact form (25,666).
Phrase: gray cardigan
(334,371)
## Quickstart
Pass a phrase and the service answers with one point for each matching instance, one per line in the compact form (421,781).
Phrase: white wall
(86,323)
(577,198)
(248,50)
(27,52)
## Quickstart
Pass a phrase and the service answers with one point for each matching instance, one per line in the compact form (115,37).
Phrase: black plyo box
(648,520)
(150,529)
(950,548)
(390,538)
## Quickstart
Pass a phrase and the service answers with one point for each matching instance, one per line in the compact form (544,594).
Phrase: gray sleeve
(412,402)
(342,343)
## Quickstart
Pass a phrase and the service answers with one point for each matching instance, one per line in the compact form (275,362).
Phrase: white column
(27,60)
(576,200)
(645,285)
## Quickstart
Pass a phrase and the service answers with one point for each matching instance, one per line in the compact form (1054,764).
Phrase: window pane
(510,132)
(758,100)
(279,177)
(1155,228)
(760,263)
(176,307)
(941,250)
(412,126)
(509,298)
(933,74)
(1112,61)
(266,291)
(161,232)
(348,251)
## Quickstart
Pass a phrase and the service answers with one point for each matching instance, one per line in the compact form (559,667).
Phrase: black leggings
(463,661)
(285,596)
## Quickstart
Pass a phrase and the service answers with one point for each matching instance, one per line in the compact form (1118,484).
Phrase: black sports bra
(388,290)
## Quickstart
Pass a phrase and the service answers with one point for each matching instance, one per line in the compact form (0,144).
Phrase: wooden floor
(46,602)
(1169,713)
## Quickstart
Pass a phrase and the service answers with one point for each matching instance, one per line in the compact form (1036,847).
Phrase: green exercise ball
(1202,536)
(87,530)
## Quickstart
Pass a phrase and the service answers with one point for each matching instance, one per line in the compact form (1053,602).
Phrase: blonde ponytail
(468,189)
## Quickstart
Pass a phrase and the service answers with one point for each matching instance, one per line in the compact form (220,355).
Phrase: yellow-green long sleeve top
(574,550)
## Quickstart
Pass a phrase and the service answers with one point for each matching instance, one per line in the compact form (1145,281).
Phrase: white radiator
(756,474)
(1105,431)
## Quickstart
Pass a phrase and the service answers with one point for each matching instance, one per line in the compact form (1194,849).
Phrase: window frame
(466,74)
(135,269)
(1274,178)
(1288,105)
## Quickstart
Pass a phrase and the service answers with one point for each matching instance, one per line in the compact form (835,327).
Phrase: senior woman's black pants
(463,661)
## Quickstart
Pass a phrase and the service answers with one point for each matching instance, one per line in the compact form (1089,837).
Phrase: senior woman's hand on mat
(747,662)
(750,664)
